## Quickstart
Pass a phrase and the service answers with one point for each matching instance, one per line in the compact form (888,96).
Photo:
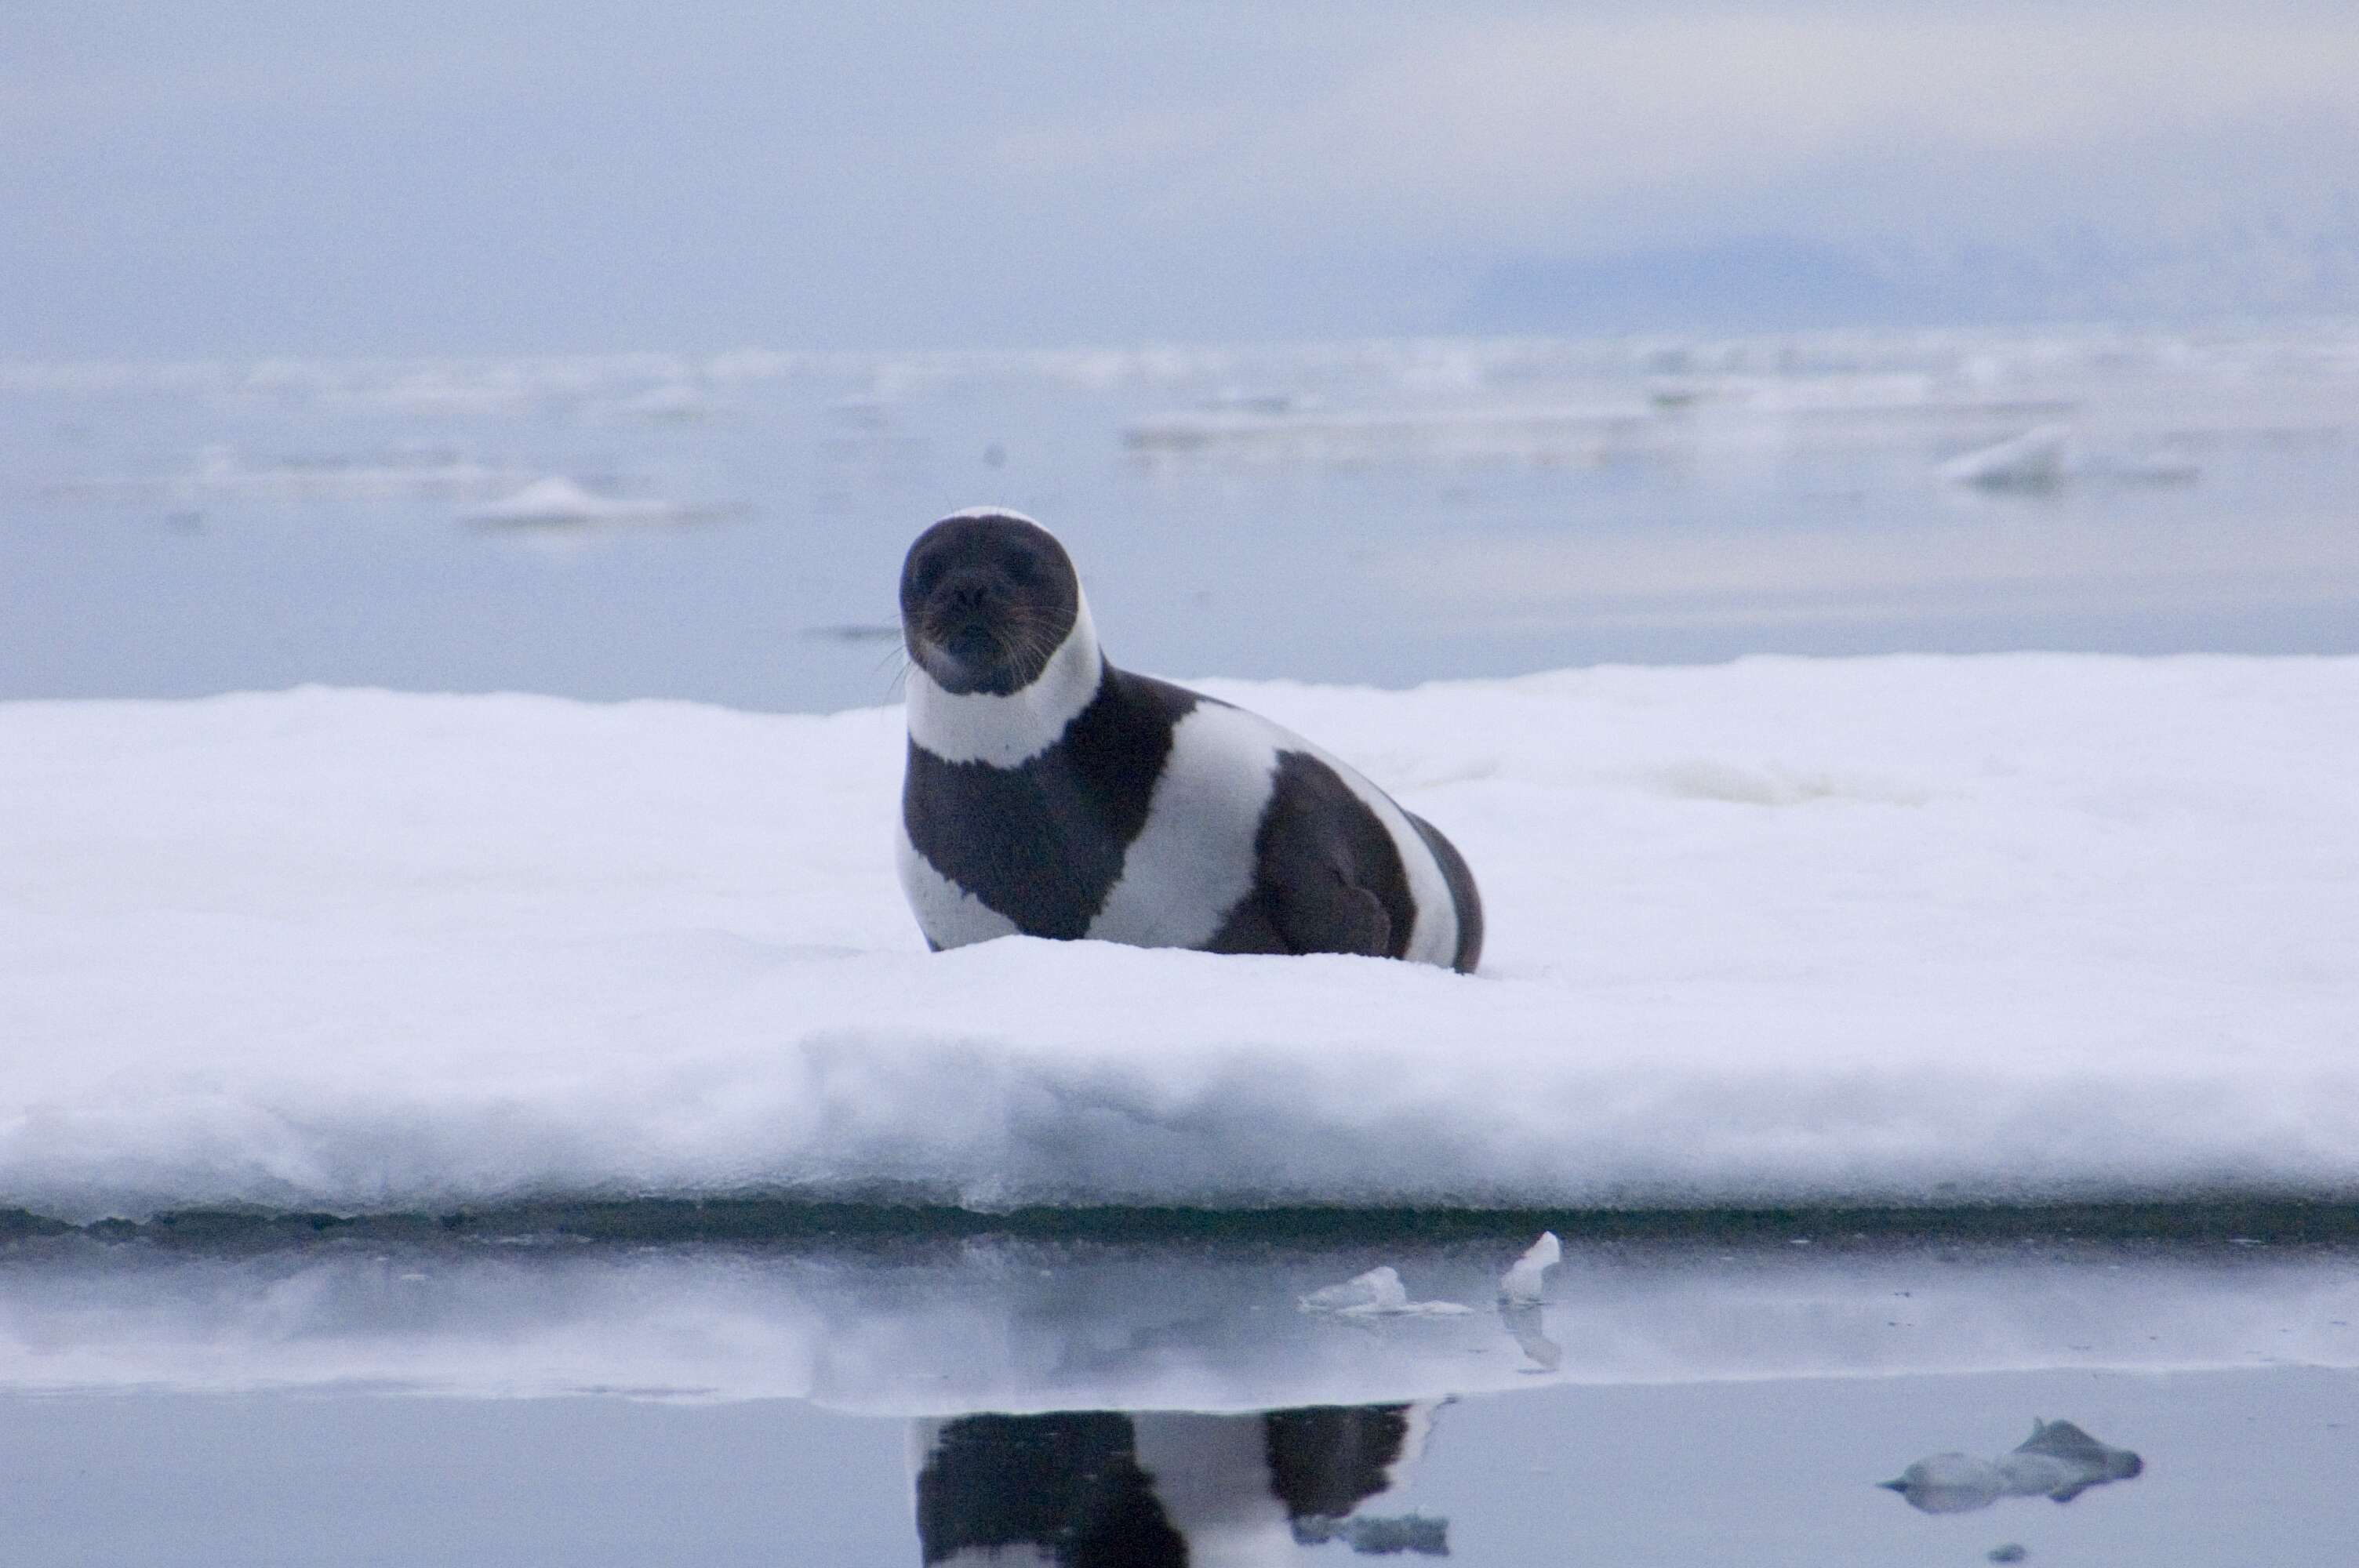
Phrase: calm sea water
(881,1401)
(1384,513)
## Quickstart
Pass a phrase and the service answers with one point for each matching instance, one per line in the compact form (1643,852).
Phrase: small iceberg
(1520,1285)
(560,503)
(1377,1293)
(2037,459)
(1519,1301)
(2057,1461)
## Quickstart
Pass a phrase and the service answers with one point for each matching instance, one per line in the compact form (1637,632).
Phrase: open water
(729,527)
(1678,1397)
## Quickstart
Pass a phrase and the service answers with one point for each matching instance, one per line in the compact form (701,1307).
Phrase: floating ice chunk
(2036,459)
(1377,1293)
(560,503)
(1314,436)
(1379,1288)
(1522,1281)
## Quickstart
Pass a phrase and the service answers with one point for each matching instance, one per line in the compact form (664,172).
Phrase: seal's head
(987,598)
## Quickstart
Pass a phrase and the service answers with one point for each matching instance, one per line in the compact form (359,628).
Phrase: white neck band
(1009,732)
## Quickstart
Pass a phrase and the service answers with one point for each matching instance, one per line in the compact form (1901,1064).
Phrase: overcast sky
(245,178)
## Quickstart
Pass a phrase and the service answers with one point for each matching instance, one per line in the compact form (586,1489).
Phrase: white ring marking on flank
(1193,858)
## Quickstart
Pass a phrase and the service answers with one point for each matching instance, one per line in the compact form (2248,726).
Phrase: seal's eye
(1019,566)
(928,573)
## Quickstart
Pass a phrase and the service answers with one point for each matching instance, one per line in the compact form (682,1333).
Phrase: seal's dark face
(986,599)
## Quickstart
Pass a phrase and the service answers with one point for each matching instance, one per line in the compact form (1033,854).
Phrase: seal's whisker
(1033,643)
(896,659)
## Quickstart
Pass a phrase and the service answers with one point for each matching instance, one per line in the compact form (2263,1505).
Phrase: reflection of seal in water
(1051,794)
(1105,1489)
(2058,1460)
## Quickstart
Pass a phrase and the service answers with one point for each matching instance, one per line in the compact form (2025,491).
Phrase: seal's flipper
(1325,869)
(1342,919)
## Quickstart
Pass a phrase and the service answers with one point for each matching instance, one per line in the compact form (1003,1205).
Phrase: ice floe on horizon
(2038,459)
(1835,369)
(560,503)
(221,474)
(2049,456)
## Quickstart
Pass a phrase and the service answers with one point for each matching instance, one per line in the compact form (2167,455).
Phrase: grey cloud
(261,178)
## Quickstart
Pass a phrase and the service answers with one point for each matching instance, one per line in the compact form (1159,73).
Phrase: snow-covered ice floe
(1907,931)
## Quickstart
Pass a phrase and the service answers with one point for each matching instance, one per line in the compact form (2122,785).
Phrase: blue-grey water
(2243,1468)
(1386,512)
(518,1400)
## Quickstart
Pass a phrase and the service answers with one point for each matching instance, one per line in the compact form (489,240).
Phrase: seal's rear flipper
(1324,868)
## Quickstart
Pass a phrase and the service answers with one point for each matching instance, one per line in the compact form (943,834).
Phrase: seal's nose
(966,593)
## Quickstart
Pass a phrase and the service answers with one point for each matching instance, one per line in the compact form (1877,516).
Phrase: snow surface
(1904,929)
